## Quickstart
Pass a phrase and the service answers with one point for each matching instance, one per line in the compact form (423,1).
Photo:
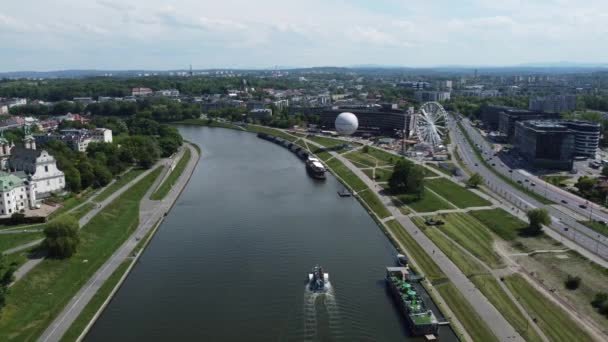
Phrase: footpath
(151,214)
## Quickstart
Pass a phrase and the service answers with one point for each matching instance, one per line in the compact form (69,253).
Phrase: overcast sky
(154,34)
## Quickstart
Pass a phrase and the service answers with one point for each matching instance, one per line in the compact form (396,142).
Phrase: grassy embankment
(328,142)
(72,202)
(8,241)
(35,300)
(119,183)
(168,183)
(482,279)
(596,226)
(382,175)
(552,320)
(456,194)
(504,178)
(205,122)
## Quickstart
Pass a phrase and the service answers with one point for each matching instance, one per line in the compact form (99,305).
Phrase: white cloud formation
(243,33)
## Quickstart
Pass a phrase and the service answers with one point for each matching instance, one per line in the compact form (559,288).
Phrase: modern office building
(586,137)
(545,144)
(555,103)
(508,118)
(490,115)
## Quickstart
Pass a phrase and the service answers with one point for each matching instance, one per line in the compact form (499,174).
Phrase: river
(230,261)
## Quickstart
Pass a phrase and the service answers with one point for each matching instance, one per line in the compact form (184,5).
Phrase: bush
(62,238)
(365,149)
(572,283)
(600,298)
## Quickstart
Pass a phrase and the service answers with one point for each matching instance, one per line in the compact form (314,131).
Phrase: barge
(315,169)
(420,320)
(318,280)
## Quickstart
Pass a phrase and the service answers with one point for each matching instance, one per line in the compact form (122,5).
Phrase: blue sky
(157,34)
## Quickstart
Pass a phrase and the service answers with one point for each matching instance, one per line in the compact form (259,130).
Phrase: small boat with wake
(318,280)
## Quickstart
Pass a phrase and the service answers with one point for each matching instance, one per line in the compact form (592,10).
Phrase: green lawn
(36,299)
(386,157)
(429,202)
(8,241)
(440,169)
(488,285)
(374,203)
(458,195)
(552,320)
(470,320)
(555,180)
(121,181)
(82,210)
(459,258)
(427,266)
(327,142)
(71,202)
(168,183)
(596,226)
(500,222)
(429,173)
(473,236)
(382,175)
(365,159)
(95,303)
(347,175)
(323,155)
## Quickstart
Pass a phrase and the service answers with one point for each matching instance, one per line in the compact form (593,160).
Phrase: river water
(231,259)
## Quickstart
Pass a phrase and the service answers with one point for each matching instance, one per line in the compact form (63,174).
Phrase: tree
(6,277)
(398,180)
(537,217)
(585,184)
(62,238)
(573,282)
(605,171)
(475,180)
(600,298)
(103,176)
(415,181)
(365,149)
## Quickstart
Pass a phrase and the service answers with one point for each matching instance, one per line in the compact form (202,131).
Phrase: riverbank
(150,215)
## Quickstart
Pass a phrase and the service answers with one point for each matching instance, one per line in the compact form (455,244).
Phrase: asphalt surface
(150,213)
(591,241)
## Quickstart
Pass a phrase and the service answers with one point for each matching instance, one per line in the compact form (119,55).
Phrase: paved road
(150,213)
(578,237)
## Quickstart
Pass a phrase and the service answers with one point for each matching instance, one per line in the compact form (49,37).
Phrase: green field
(120,181)
(429,173)
(551,319)
(374,203)
(470,320)
(71,202)
(95,303)
(386,157)
(36,299)
(347,175)
(473,236)
(503,224)
(323,155)
(458,195)
(365,159)
(596,226)
(427,266)
(82,210)
(327,142)
(382,175)
(168,183)
(8,241)
(429,202)
(440,169)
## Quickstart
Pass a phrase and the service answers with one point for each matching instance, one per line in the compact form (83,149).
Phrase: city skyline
(113,35)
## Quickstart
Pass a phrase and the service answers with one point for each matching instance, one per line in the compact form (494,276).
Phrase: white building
(168,92)
(141,91)
(15,194)
(39,166)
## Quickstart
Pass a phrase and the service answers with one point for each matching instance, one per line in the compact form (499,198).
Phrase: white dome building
(347,123)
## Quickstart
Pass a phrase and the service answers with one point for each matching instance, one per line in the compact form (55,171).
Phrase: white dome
(346,123)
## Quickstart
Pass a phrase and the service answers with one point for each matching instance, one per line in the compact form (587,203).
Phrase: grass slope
(429,202)
(8,241)
(552,320)
(36,299)
(119,183)
(458,195)
(500,222)
(168,183)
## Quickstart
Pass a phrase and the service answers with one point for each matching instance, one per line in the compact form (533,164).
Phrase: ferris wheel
(429,124)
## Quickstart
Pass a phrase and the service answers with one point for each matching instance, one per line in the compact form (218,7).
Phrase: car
(564,201)
(526,180)
(533,184)
(519,181)
(582,206)
(510,170)
(493,164)
(476,164)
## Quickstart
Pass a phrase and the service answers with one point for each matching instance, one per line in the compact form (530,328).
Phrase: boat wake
(321,315)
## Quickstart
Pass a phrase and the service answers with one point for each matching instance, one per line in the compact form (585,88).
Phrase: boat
(344,193)
(402,260)
(420,320)
(315,168)
(317,279)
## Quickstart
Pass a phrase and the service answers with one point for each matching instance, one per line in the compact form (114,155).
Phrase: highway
(564,221)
